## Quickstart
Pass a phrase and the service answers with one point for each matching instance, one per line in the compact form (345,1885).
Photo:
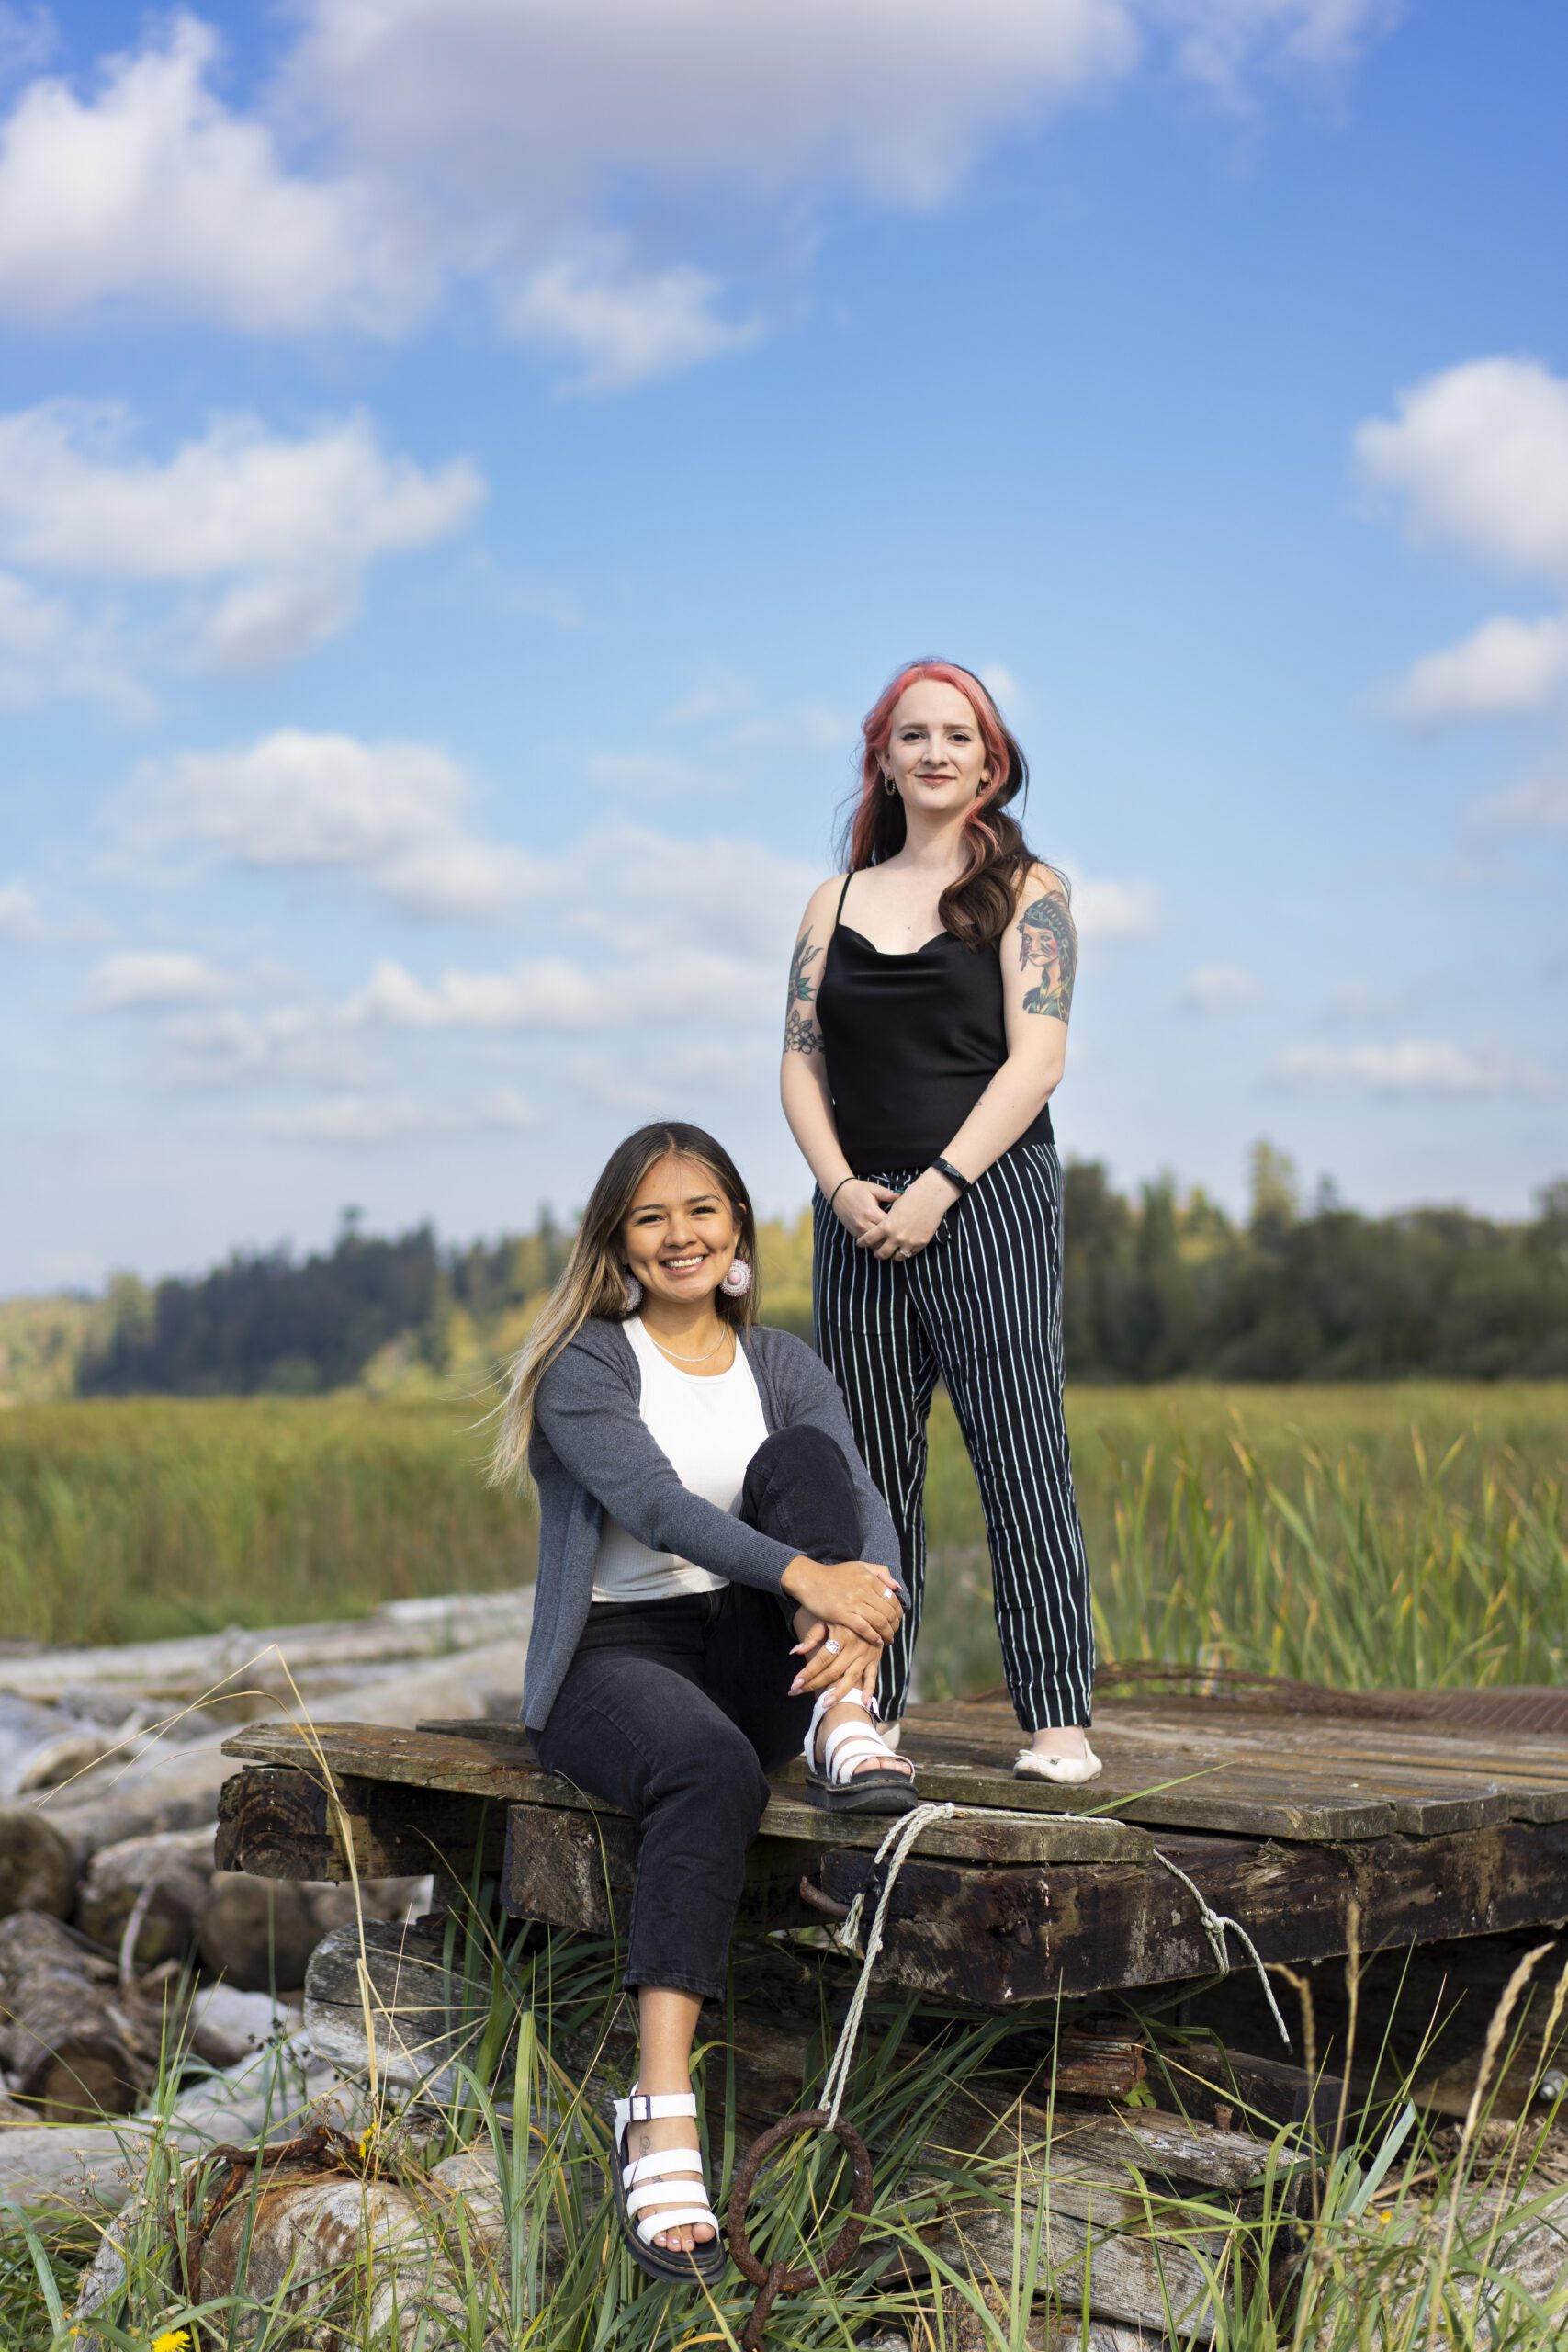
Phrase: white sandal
(834,1785)
(1070,1771)
(637,2186)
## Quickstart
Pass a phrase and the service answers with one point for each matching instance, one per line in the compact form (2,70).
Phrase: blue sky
(465,466)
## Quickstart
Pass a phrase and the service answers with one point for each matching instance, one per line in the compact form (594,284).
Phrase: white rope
(1214,1925)
(894,1851)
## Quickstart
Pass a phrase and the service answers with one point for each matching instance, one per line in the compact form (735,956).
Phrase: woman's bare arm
(803,1078)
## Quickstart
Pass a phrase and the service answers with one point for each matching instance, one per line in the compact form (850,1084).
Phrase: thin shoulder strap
(839,910)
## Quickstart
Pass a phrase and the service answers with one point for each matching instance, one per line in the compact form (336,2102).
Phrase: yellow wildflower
(174,2339)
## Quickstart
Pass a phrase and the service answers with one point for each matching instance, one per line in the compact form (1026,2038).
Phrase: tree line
(1161,1285)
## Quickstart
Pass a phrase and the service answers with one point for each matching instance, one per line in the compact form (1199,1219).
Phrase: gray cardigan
(592,1453)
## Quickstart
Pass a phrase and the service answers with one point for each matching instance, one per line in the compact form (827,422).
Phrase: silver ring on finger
(832,1647)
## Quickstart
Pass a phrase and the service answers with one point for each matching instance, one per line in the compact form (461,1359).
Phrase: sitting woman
(714,1589)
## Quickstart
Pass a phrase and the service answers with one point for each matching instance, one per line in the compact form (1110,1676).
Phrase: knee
(796,1462)
(805,1449)
(718,1764)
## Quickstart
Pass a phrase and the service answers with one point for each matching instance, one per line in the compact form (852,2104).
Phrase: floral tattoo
(802,1034)
(1050,942)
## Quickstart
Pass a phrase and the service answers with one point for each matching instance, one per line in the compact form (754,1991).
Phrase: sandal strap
(681,2217)
(649,2107)
(639,2199)
(845,1750)
(856,1698)
(661,2164)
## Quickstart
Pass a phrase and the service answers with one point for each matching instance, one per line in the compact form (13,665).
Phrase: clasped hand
(854,1603)
(894,1225)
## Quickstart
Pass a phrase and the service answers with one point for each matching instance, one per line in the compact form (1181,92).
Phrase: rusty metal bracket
(776,2279)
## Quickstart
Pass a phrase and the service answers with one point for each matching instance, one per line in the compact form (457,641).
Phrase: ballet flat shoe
(1070,1771)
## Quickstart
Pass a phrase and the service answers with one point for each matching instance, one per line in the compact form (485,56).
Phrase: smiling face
(680,1234)
(935,754)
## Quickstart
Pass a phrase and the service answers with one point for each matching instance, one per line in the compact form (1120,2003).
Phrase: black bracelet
(840,1186)
(946,1168)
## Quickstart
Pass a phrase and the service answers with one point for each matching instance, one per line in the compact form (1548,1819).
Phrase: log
(1135,2274)
(66,2041)
(225,2027)
(38,1869)
(422,2019)
(200,1666)
(165,1877)
(176,1787)
(50,2170)
(259,1933)
(404,2261)
(40,1746)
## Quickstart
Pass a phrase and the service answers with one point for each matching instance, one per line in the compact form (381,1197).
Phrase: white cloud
(45,651)
(377,1119)
(1537,805)
(1479,456)
(622,328)
(393,815)
(652,775)
(305,1044)
(406,146)
(1504,668)
(1416,1065)
(1218,41)
(1221,988)
(278,531)
(1106,909)
(1003,685)
(152,981)
(150,192)
(20,917)
(546,994)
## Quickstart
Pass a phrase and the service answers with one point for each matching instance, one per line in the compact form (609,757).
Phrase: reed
(1405,2244)
(1410,1536)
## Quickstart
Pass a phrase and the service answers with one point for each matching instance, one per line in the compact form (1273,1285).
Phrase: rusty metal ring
(771,2275)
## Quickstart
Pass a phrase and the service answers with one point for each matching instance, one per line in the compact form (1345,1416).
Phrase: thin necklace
(680,1358)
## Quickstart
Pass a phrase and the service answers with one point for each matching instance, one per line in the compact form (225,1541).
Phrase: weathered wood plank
(1004,1936)
(508,1773)
(280,1821)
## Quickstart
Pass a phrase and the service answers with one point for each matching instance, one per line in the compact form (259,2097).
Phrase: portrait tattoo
(1050,942)
(802,1034)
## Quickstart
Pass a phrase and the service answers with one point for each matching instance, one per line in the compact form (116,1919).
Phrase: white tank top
(708,1430)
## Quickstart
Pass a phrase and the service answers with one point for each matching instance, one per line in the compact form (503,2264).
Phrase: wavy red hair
(977,907)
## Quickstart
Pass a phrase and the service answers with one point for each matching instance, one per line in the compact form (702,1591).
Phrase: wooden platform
(1285,1822)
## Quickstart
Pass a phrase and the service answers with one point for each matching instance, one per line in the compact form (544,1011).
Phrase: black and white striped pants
(981,1307)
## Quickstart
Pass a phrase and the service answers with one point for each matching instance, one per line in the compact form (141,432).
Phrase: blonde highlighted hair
(594,1281)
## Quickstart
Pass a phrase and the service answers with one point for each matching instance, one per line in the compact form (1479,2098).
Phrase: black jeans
(677,1710)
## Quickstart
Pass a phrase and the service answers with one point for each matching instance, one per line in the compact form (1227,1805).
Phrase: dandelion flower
(174,2339)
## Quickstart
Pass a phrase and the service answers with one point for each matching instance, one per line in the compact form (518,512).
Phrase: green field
(1398,1534)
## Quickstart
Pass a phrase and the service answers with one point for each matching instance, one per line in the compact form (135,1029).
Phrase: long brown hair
(977,908)
(593,1281)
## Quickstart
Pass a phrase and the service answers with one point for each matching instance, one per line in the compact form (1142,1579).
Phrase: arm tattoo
(801,987)
(802,1034)
(1050,942)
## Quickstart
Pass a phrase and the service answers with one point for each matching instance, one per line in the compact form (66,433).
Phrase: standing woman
(927,1029)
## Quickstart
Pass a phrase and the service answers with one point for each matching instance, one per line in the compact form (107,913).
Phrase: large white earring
(735,1280)
(633,1293)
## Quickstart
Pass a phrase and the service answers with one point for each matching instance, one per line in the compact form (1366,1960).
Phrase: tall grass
(127,1521)
(1410,1536)
(1401,2242)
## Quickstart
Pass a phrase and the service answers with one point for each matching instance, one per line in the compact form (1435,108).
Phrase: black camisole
(913,1042)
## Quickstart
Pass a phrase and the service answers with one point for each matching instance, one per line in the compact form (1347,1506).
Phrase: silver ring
(831,1646)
